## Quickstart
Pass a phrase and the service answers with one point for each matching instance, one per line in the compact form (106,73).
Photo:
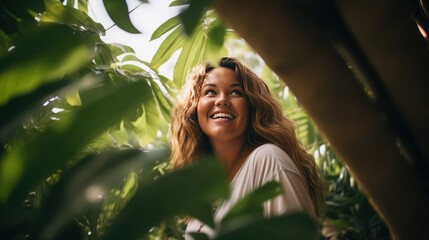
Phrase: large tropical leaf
(24,9)
(163,96)
(119,49)
(20,109)
(215,42)
(204,44)
(72,17)
(173,42)
(88,182)
(21,168)
(165,27)
(81,5)
(252,204)
(36,61)
(191,55)
(118,12)
(181,191)
(155,111)
(147,125)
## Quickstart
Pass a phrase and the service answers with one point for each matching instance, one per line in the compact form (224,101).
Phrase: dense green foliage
(83,133)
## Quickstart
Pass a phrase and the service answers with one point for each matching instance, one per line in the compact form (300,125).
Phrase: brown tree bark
(291,42)
(390,38)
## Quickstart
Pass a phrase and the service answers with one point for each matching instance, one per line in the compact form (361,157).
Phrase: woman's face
(223,108)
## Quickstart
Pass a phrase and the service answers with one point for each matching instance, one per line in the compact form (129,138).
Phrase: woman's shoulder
(270,151)
(272,155)
(267,148)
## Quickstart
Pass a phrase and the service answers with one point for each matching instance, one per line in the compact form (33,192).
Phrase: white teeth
(223,115)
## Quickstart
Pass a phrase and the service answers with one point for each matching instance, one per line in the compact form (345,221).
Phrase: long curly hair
(267,125)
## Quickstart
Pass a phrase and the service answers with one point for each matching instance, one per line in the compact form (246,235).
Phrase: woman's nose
(222,101)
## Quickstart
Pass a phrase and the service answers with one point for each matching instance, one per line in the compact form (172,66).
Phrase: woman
(228,111)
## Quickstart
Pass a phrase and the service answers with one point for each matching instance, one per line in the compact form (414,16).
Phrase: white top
(266,163)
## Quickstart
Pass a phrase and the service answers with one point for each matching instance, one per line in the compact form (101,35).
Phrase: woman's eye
(236,92)
(209,92)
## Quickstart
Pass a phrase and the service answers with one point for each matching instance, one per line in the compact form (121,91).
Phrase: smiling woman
(229,112)
(223,111)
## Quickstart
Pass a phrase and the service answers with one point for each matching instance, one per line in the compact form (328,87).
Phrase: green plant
(81,156)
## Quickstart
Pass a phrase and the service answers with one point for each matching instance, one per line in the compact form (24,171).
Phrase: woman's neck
(230,153)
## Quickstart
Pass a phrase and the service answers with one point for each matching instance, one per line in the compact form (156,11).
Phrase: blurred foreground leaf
(296,226)
(72,17)
(87,183)
(36,61)
(182,191)
(252,204)
(34,160)
(20,109)
(192,15)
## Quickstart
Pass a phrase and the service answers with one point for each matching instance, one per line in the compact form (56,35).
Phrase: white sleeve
(295,195)
(272,163)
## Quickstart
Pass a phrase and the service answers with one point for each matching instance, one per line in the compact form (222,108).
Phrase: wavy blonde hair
(267,125)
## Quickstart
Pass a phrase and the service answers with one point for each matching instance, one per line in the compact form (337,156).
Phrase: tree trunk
(292,43)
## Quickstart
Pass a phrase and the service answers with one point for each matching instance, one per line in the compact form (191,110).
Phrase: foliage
(200,40)
(84,153)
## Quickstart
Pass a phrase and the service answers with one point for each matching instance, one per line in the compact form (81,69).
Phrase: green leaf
(83,5)
(191,55)
(131,57)
(204,214)
(149,122)
(83,184)
(170,45)
(131,181)
(119,49)
(4,44)
(104,58)
(296,226)
(193,14)
(178,3)
(252,204)
(117,199)
(216,34)
(118,12)
(165,27)
(199,236)
(71,3)
(19,110)
(180,191)
(164,99)
(25,10)
(72,17)
(215,39)
(21,168)
(131,69)
(37,61)
(8,23)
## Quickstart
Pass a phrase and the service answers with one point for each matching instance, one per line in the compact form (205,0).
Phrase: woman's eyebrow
(236,85)
(214,85)
(208,85)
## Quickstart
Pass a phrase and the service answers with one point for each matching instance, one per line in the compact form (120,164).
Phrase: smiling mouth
(222,116)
